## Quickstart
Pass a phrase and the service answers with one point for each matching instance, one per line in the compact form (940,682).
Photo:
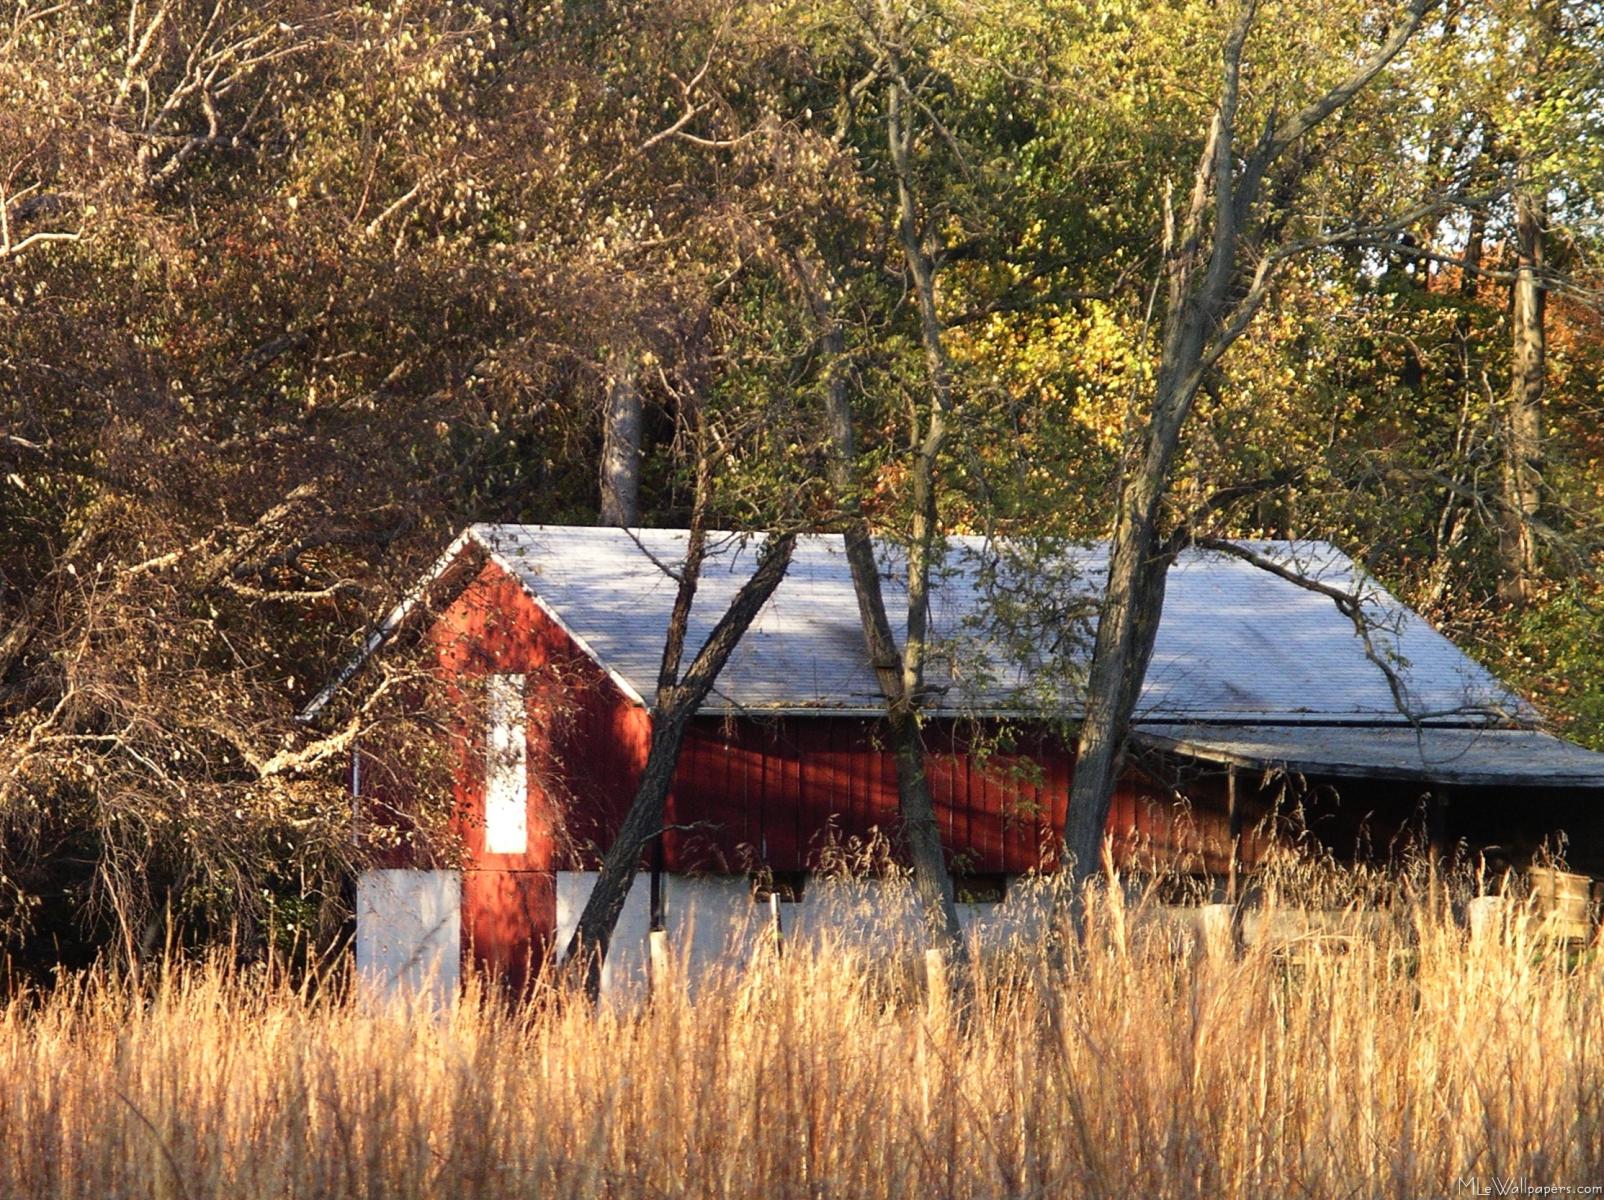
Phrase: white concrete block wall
(409,934)
(624,972)
(708,919)
(713,922)
(1026,913)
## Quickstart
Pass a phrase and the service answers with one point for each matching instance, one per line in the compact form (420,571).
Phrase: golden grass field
(1402,1064)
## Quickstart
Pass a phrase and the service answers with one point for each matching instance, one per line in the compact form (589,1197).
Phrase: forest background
(292,291)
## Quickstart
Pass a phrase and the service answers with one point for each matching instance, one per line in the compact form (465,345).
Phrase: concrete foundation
(409,933)
(713,922)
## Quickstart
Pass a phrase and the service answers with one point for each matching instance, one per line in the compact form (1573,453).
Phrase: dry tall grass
(1398,1064)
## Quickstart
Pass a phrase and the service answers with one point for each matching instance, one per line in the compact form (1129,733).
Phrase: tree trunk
(1523,430)
(921,833)
(1212,297)
(1470,273)
(1133,595)
(678,698)
(592,937)
(1133,601)
(621,443)
(932,881)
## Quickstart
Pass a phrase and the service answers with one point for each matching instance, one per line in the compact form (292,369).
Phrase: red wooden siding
(508,919)
(587,746)
(587,740)
(773,793)
(756,791)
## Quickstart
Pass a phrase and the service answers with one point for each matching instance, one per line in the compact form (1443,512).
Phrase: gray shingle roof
(1236,642)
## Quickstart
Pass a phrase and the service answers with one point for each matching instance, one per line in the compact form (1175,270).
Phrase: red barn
(1262,699)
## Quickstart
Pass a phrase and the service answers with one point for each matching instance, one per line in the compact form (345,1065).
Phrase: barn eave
(1460,755)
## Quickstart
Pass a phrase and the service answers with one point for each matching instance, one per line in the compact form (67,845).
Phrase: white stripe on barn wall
(506,766)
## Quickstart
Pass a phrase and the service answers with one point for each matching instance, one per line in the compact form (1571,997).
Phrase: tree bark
(1133,595)
(1133,600)
(921,832)
(932,881)
(678,698)
(1470,273)
(621,443)
(1523,430)
(899,673)
(1211,298)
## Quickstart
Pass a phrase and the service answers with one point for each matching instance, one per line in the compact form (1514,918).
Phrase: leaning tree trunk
(593,936)
(932,881)
(1523,428)
(621,443)
(678,698)
(899,672)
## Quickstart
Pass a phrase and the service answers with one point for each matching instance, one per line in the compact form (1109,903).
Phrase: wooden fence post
(661,960)
(937,1002)
(1220,930)
(1485,917)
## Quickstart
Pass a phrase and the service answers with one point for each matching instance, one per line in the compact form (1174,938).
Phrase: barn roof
(1236,644)
(1250,667)
(1456,755)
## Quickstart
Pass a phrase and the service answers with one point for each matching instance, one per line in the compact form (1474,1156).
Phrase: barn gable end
(587,744)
